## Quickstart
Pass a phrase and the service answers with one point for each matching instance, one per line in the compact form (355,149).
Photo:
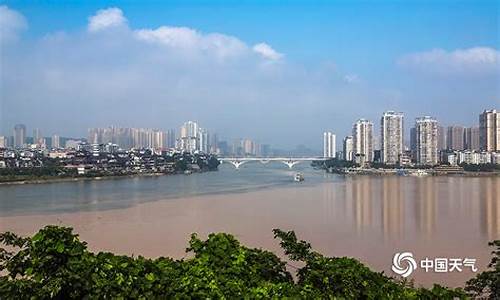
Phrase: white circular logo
(403,263)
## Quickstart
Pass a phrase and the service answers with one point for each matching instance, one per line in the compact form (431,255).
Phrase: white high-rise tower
(348,148)
(189,137)
(391,137)
(362,133)
(329,144)
(489,130)
(426,140)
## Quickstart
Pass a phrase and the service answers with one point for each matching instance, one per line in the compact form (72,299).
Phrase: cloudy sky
(257,69)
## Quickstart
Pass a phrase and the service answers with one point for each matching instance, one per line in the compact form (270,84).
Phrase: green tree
(55,264)
(213,163)
(486,285)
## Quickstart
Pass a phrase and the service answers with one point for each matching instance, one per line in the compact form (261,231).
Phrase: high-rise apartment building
(442,138)
(56,142)
(426,137)
(204,140)
(246,147)
(413,142)
(362,133)
(329,148)
(489,130)
(455,138)
(19,136)
(170,138)
(471,138)
(127,138)
(37,136)
(3,142)
(159,139)
(214,143)
(347,148)
(193,138)
(189,137)
(391,137)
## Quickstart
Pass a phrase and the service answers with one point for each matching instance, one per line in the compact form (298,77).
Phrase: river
(367,217)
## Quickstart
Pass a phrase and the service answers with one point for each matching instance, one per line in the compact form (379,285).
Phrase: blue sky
(305,30)
(365,54)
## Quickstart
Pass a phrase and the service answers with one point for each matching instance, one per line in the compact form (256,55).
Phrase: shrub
(55,264)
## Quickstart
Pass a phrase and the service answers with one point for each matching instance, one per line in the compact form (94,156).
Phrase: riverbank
(410,172)
(91,178)
(72,179)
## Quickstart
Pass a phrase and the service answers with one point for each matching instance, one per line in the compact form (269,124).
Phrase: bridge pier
(290,163)
(237,163)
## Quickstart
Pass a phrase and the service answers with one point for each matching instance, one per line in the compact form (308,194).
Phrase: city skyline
(182,63)
(190,136)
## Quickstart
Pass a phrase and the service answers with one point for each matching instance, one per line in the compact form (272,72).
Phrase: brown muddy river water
(369,218)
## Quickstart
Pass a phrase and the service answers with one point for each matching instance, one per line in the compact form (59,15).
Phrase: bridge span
(289,161)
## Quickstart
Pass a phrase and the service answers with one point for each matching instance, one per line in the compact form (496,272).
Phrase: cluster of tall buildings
(128,138)
(193,138)
(244,147)
(190,137)
(427,139)
(20,139)
(457,138)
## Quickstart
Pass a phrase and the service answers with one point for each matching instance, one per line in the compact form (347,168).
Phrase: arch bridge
(289,161)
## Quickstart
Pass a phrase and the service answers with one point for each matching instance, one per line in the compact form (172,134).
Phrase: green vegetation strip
(55,264)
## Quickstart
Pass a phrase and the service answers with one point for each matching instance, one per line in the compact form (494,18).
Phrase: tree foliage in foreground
(487,284)
(55,264)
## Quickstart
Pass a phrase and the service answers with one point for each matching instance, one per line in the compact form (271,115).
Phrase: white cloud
(159,77)
(471,61)
(267,51)
(11,23)
(106,18)
(184,40)
(351,78)
(170,36)
(189,39)
(155,77)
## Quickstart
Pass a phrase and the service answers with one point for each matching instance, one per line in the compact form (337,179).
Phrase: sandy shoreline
(317,213)
(76,179)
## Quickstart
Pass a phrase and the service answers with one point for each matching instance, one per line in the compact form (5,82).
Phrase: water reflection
(401,205)
(490,207)
(392,207)
(425,205)
(361,198)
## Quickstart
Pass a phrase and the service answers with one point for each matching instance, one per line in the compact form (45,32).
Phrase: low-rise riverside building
(100,160)
(470,157)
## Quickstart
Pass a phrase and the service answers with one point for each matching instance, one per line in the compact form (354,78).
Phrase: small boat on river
(298,177)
